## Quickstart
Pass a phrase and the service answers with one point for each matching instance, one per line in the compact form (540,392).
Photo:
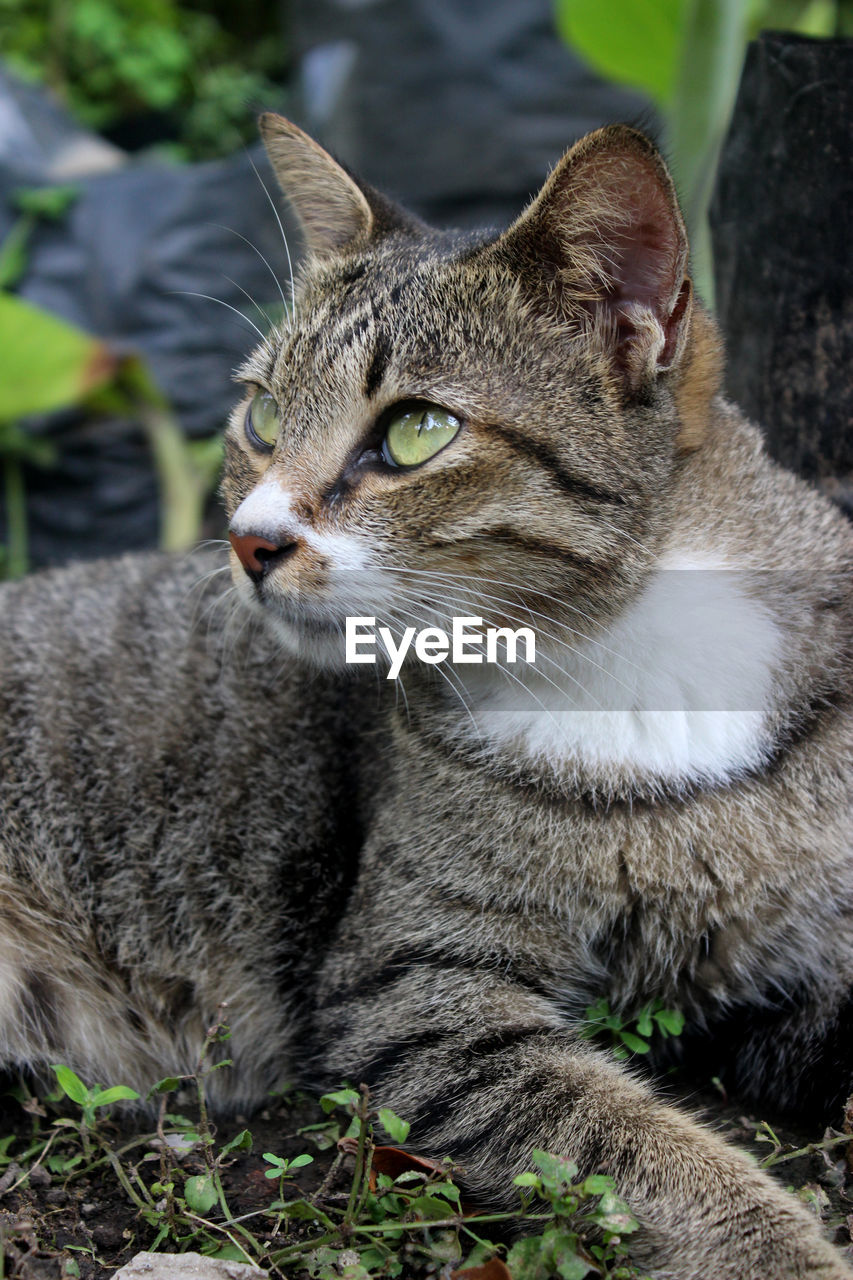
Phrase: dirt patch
(81,1223)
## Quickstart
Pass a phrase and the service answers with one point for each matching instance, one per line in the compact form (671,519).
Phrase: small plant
(283,1168)
(89,1100)
(586,1234)
(394,1214)
(652,1019)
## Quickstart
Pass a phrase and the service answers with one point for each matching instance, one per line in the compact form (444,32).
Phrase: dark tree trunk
(781,223)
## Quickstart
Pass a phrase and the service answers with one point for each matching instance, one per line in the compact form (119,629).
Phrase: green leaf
(597,1184)
(644,1022)
(341,1098)
(396,1128)
(298,1162)
(671,1020)
(69,1082)
(14,257)
(303,1211)
(527,1180)
(44,202)
(45,363)
(227,1252)
(526,1260)
(200,1193)
(278,1163)
(448,1190)
(118,1093)
(634,42)
(634,1043)
(570,1266)
(243,1142)
(167,1085)
(430,1208)
(555,1170)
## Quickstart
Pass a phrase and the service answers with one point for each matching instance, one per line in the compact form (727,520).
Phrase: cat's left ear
(605,240)
(331,208)
(336,213)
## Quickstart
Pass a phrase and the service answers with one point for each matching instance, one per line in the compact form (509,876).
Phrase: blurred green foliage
(687,56)
(205,71)
(46,364)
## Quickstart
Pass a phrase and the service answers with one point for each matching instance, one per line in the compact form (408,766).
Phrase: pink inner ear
(639,245)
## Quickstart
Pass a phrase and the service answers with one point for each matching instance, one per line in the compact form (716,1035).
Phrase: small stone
(108,1236)
(88,1207)
(56,1195)
(186,1266)
(11,1175)
(39,1176)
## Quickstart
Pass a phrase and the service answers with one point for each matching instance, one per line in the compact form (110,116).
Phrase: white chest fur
(679,689)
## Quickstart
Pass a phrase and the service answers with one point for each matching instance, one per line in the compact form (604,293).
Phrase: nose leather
(247,547)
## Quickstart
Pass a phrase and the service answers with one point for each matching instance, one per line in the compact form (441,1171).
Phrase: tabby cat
(203,802)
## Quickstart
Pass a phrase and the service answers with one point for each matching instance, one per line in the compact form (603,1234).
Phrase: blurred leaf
(340,1098)
(671,1021)
(45,362)
(644,1022)
(13,253)
(44,202)
(634,1043)
(243,1142)
(168,1085)
(392,1124)
(117,1093)
(635,42)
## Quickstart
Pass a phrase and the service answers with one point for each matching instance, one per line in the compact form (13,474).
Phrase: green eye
(418,433)
(262,421)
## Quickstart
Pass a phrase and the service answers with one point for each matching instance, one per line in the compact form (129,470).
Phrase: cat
(423,883)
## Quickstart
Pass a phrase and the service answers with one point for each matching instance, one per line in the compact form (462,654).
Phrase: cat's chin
(317,642)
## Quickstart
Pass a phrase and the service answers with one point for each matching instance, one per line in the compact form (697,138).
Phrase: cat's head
(450,425)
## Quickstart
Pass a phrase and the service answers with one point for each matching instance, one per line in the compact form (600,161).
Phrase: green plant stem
(17,539)
(383,1228)
(144,1205)
(223,1230)
(811,1149)
(185,477)
(295,1251)
(358,1172)
(365,1184)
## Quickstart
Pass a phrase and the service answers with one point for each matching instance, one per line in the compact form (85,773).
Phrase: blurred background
(141,253)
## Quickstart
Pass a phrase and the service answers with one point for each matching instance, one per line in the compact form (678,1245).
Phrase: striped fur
(422,885)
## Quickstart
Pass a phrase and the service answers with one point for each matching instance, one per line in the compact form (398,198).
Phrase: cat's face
(448,428)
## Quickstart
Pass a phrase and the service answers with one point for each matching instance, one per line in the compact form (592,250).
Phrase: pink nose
(258,555)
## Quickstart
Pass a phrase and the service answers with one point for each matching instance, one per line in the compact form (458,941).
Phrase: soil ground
(55,1227)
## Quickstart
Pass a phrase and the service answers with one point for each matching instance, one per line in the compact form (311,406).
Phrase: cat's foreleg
(486,1073)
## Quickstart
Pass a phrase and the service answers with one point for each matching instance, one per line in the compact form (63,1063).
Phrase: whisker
(246,294)
(438,667)
(564,693)
(189,293)
(281,229)
(260,255)
(578,653)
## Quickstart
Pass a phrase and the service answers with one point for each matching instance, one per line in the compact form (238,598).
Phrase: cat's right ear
(604,244)
(332,210)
